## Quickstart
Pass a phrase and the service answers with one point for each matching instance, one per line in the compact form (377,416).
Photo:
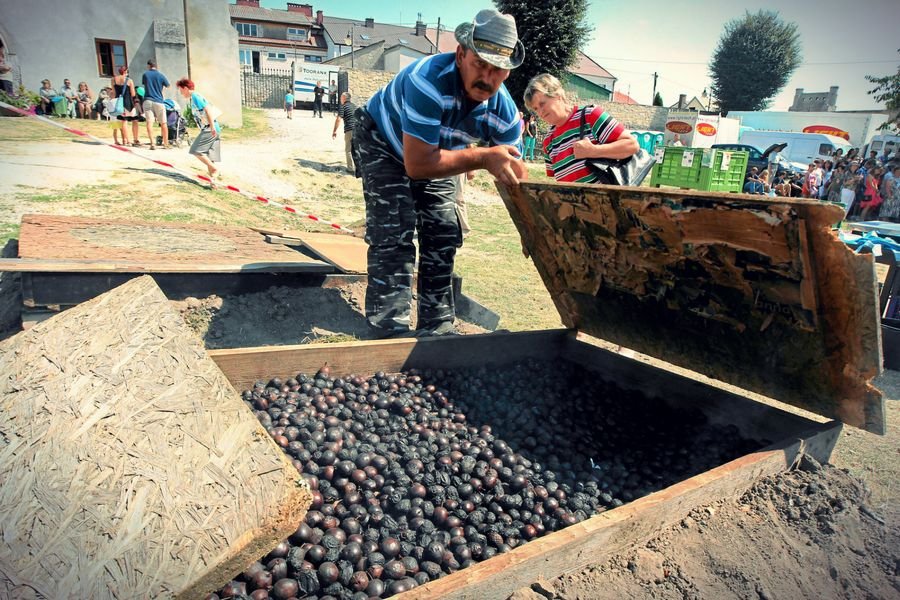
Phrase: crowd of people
(126,105)
(865,187)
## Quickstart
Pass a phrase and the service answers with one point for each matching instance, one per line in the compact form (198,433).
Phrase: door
(256,68)
(343,82)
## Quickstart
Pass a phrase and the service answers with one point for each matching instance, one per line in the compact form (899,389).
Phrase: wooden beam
(42,265)
(245,366)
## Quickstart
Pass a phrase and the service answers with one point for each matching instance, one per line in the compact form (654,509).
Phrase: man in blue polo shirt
(442,115)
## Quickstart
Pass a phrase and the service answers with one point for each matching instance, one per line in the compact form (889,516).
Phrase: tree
(657,100)
(753,61)
(552,32)
(887,90)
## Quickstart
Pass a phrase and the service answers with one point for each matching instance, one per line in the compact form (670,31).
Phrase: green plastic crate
(704,172)
(714,178)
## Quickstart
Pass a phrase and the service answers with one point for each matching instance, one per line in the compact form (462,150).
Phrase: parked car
(802,148)
(760,159)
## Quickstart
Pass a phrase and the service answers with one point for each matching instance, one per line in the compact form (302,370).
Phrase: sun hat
(493,37)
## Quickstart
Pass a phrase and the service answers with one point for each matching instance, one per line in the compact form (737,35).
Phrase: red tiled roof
(447,41)
(588,66)
(623,98)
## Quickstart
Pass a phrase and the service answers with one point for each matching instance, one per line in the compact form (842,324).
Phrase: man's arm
(337,121)
(426,161)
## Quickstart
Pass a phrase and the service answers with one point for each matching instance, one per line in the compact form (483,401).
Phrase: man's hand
(334,135)
(503,163)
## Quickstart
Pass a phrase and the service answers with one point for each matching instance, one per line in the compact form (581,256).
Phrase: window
(826,149)
(247,29)
(110,56)
(277,56)
(245,57)
(295,33)
(311,58)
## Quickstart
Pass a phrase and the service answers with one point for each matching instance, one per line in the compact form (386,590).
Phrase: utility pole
(655,75)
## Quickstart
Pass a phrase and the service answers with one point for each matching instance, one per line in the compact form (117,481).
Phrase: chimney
(370,22)
(305,9)
(420,28)
(320,17)
(682,100)
(253,3)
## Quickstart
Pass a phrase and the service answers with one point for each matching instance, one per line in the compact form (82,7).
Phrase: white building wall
(398,57)
(56,40)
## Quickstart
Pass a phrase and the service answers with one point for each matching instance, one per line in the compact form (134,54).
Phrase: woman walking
(123,86)
(207,145)
(564,149)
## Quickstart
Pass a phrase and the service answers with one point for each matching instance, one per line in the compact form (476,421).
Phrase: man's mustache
(482,86)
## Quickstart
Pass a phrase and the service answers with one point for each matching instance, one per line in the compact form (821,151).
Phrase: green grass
(255,126)
(8,231)
(497,274)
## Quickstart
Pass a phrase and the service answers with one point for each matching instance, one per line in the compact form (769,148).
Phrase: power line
(677,62)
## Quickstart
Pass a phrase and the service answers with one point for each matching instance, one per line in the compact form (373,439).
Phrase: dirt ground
(816,532)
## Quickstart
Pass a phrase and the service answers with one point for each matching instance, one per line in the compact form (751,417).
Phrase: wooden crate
(129,466)
(753,291)
(599,536)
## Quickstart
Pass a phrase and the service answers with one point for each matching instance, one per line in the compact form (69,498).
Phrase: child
(109,111)
(289,103)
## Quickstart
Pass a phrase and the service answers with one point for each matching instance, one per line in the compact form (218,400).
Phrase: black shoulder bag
(618,171)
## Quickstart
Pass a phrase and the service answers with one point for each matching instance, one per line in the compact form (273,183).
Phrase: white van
(305,77)
(802,148)
(879,142)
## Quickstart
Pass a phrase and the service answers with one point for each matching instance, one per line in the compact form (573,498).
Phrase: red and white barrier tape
(187,174)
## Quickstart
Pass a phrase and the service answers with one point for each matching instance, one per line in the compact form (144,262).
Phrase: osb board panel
(750,291)
(130,467)
(150,245)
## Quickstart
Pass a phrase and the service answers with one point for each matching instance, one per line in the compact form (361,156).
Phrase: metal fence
(265,89)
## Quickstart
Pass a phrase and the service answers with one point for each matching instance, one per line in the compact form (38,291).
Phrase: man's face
(67,83)
(481,80)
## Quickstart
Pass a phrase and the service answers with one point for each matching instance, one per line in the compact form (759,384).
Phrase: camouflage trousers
(397,207)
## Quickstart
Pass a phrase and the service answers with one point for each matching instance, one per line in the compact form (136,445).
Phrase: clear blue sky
(632,39)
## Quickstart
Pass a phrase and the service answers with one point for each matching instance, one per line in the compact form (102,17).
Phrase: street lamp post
(349,41)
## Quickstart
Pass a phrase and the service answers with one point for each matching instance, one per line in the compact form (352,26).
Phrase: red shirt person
(565,150)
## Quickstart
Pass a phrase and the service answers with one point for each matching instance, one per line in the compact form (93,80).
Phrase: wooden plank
(347,253)
(75,265)
(609,533)
(245,366)
(160,247)
(755,292)
(74,288)
(130,466)
(275,239)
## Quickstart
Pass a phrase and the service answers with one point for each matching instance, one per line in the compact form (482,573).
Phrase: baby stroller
(177,124)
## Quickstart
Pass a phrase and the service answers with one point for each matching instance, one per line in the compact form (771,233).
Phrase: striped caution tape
(187,174)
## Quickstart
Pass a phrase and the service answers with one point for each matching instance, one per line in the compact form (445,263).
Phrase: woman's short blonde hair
(546,84)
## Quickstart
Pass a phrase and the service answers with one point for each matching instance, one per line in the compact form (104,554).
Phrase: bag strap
(583,120)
